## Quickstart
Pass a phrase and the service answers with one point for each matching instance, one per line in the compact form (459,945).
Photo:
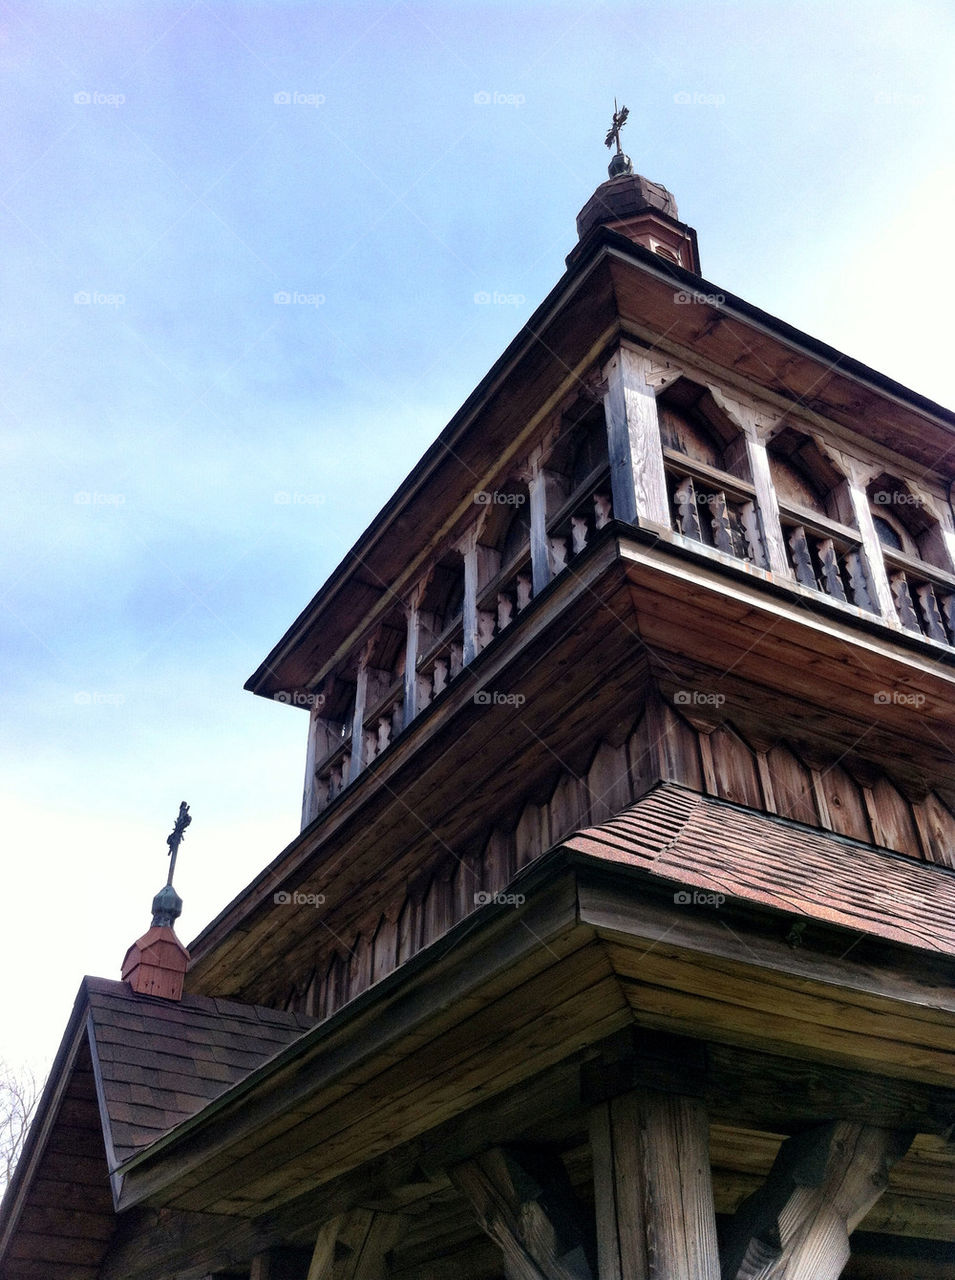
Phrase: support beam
(354,1246)
(654,1193)
(469,619)
(871,545)
(821,1186)
(523,1199)
(413,618)
(637,477)
(537,489)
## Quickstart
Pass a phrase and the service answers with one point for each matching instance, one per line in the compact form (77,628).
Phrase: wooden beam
(637,476)
(523,1200)
(654,1193)
(537,488)
(821,1186)
(354,1246)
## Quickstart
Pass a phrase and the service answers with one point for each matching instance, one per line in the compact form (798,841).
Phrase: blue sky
(149,433)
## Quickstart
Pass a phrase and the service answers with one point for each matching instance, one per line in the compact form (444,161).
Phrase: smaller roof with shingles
(160,1062)
(701,842)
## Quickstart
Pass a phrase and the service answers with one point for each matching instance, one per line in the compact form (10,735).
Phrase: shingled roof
(708,844)
(130,1067)
(159,1061)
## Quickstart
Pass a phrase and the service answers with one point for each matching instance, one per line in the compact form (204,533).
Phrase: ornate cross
(175,838)
(613,133)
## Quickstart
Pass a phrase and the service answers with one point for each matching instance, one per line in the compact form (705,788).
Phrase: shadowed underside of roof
(711,845)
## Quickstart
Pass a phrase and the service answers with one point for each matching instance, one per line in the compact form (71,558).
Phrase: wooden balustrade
(924,597)
(571,530)
(827,557)
(716,510)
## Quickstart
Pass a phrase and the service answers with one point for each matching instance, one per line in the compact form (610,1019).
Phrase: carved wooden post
(413,617)
(754,422)
(821,1186)
(323,737)
(654,1192)
(357,729)
(637,477)
(469,618)
(537,488)
(858,478)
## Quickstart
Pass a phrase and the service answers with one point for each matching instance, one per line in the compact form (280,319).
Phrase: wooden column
(537,488)
(654,1192)
(637,477)
(822,1184)
(413,618)
(879,579)
(754,422)
(323,738)
(354,1246)
(356,763)
(523,1199)
(468,549)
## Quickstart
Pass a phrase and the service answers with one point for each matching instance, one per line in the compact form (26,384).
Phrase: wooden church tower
(619,939)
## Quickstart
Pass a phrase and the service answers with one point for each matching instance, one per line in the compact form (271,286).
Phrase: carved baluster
(397,717)
(578,533)
(424,690)
(802,558)
(369,745)
(687,511)
(440,675)
(903,602)
(948,613)
(723,538)
(603,510)
(558,555)
(485,633)
(457,660)
(384,734)
(505,609)
(334,781)
(934,626)
(829,565)
(525,591)
(753,534)
(859,581)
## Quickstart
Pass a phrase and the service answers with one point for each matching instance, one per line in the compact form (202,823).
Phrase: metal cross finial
(613,133)
(175,838)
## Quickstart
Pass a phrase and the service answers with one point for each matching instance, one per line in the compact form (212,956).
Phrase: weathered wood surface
(821,1186)
(364,1237)
(523,1200)
(636,455)
(654,1195)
